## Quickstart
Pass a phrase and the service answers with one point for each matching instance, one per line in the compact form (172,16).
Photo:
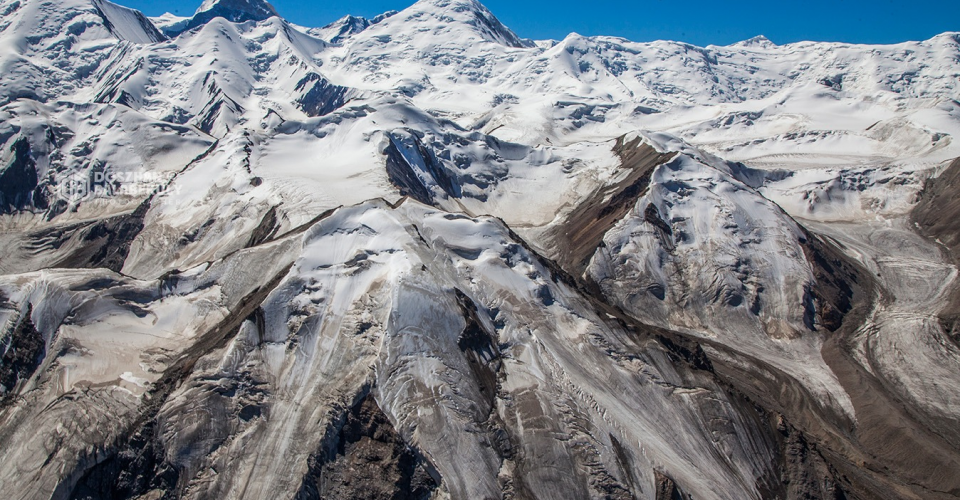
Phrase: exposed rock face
(18,180)
(667,489)
(107,242)
(578,238)
(806,474)
(319,96)
(370,462)
(936,212)
(937,216)
(420,257)
(23,351)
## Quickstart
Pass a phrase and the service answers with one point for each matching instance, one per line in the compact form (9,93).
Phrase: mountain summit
(237,11)
(758,41)
(347,26)
(471,13)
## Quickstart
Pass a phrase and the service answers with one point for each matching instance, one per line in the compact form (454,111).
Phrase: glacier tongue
(418,256)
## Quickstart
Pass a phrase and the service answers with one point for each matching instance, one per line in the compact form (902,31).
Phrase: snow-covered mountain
(420,256)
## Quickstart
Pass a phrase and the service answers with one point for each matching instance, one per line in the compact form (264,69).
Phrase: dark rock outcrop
(23,349)
(579,236)
(106,243)
(839,284)
(319,97)
(937,217)
(411,178)
(368,461)
(19,182)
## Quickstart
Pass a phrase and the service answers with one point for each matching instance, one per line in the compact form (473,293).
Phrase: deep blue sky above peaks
(694,21)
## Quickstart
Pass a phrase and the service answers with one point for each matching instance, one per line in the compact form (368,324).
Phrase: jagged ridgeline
(421,257)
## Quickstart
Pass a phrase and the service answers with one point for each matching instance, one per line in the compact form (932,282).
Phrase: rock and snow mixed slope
(419,256)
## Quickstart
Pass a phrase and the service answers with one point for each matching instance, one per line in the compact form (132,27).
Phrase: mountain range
(419,256)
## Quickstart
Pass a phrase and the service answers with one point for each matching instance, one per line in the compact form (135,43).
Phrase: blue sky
(694,21)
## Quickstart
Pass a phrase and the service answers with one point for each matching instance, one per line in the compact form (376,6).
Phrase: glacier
(420,256)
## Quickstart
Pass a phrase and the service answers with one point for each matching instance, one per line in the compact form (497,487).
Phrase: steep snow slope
(221,74)
(419,255)
(467,362)
(704,254)
(53,49)
(488,344)
(115,347)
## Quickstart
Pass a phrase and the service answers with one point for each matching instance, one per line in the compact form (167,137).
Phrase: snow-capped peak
(757,41)
(254,8)
(346,26)
(469,12)
(237,11)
